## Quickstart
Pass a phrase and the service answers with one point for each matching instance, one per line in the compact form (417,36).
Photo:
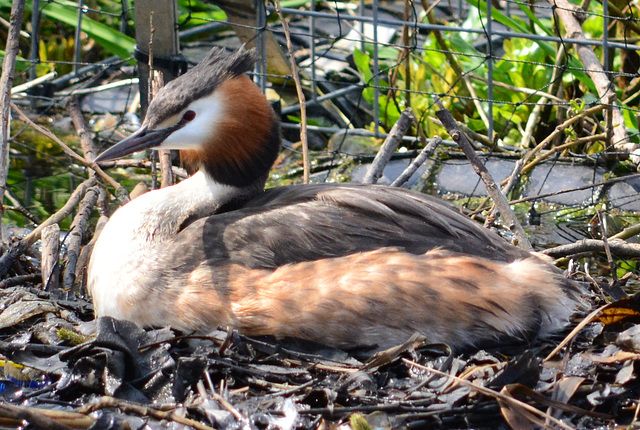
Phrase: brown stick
(50,267)
(78,229)
(547,141)
(493,189)
(164,155)
(301,98)
(566,12)
(70,152)
(618,247)
(143,411)
(17,249)
(426,152)
(607,249)
(45,419)
(82,128)
(583,187)
(6,82)
(389,146)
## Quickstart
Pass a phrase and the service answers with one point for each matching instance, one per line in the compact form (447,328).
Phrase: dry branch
(493,189)
(618,247)
(77,231)
(492,393)
(50,267)
(141,410)
(18,248)
(6,82)
(65,148)
(583,187)
(389,146)
(530,164)
(42,418)
(86,141)
(426,152)
(301,98)
(566,12)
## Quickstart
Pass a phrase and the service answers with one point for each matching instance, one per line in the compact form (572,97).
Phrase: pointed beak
(139,141)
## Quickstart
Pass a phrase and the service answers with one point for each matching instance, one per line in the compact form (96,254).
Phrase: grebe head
(217,117)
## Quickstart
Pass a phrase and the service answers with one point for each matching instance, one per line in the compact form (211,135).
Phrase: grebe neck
(159,215)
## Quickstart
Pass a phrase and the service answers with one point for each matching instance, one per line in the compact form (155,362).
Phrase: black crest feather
(218,66)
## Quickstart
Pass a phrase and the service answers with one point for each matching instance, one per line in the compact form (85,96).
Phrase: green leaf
(112,40)
(534,18)
(363,61)
(67,12)
(21,63)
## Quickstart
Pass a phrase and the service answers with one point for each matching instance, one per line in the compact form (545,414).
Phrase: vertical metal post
(605,36)
(35,38)
(312,29)
(488,26)
(261,45)
(124,16)
(360,24)
(76,48)
(165,40)
(376,71)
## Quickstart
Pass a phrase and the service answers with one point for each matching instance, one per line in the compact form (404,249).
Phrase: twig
(82,128)
(582,187)
(618,247)
(569,144)
(6,82)
(70,152)
(455,65)
(607,250)
(15,91)
(178,172)
(536,113)
(85,252)
(301,98)
(50,267)
(224,402)
(19,207)
(493,189)
(17,249)
(587,320)
(164,155)
(19,280)
(45,419)
(426,152)
(143,411)
(511,183)
(389,146)
(513,179)
(492,393)
(78,229)
(558,130)
(627,232)
(98,88)
(594,69)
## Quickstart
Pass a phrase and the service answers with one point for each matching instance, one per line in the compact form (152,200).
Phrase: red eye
(189,115)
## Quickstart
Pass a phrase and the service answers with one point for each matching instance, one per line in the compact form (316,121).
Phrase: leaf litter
(64,370)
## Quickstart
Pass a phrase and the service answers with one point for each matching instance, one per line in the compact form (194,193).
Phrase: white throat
(126,245)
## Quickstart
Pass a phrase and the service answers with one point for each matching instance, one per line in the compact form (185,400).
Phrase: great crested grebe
(341,264)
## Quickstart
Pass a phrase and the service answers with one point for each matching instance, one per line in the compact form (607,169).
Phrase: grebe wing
(303,223)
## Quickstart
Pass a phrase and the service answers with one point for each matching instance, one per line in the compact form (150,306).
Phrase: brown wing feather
(295,224)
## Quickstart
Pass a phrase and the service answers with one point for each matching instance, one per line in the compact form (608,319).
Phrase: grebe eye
(189,115)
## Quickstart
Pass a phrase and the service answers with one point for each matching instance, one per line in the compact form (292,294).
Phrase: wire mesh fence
(511,72)
(547,91)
